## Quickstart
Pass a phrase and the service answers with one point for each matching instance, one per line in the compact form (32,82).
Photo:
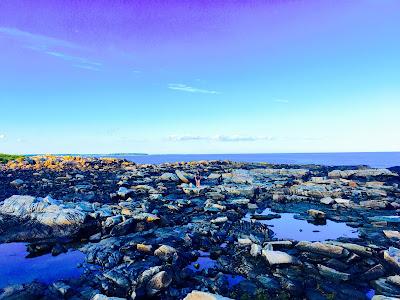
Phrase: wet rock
(392,234)
(61,287)
(322,248)
(165,252)
(17,183)
(104,297)
(316,214)
(255,250)
(219,220)
(392,255)
(327,200)
(332,273)
(198,295)
(181,176)
(158,282)
(278,257)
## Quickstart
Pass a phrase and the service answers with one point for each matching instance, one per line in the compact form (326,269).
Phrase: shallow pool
(15,268)
(287,227)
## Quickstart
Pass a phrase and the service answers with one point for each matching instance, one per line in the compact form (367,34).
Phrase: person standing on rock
(197,179)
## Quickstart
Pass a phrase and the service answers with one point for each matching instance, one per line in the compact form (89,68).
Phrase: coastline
(147,231)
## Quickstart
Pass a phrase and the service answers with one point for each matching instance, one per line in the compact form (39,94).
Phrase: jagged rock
(255,250)
(392,234)
(158,282)
(278,257)
(332,273)
(181,176)
(197,295)
(165,252)
(322,248)
(104,297)
(392,255)
(316,214)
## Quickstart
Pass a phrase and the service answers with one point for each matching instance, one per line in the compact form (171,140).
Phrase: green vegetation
(7,157)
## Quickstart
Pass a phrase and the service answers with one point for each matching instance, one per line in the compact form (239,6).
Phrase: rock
(124,193)
(278,257)
(219,220)
(61,287)
(388,219)
(144,248)
(392,255)
(341,201)
(266,217)
(181,176)
(169,177)
(158,282)
(322,248)
(327,200)
(197,295)
(118,278)
(332,273)
(17,183)
(44,210)
(255,250)
(316,214)
(395,280)
(243,201)
(358,249)
(245,241)
(373,273)
(381,297)
(374,204)
(165,252)
(392,234)
(360,173)
(104,297)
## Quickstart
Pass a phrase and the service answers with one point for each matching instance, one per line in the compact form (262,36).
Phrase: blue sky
(200,77)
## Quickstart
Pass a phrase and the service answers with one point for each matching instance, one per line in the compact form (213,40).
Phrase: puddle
(287,227)
(15,268)
(233,279)
(203,262)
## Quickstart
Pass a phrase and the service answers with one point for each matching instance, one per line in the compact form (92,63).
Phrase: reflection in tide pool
(287,227)
(15,268)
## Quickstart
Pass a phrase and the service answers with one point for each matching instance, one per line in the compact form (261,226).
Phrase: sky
(199,76)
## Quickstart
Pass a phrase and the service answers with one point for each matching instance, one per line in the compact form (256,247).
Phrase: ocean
(372,159)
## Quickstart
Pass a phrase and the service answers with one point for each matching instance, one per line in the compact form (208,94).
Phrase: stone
(198,295)
(332,273)
(245,241)
(169,177)
(322,248)
(388,219)
(17,183)
(144,248)
(165,252)
(391,234)
(327,200)
(104,297)
(181,176)
(255,250)
(316,214)
(219,220)
(158,282)
(278,257)
(392,255)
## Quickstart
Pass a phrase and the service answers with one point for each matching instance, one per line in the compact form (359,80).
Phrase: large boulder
(197,295)
(45,211)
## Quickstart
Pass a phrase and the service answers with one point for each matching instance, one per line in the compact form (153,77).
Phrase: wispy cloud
(281,100)
(189,89)
(33,39)
(2,136)
(52,47)
(219,138)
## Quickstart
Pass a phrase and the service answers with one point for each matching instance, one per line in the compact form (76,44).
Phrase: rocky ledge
(148,232)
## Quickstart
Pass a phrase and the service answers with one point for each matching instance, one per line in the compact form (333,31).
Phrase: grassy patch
(7,157)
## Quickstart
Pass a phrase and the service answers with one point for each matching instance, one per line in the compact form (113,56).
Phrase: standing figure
(197,178)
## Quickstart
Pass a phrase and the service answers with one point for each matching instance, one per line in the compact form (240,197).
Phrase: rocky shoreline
(149,233)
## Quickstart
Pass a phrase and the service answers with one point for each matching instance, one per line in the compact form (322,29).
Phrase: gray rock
(332,273)
(322,248)
(278,257)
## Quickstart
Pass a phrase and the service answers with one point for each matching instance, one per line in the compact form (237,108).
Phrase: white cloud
(189,89)
(281,100)
(2,136)
(36,40)
(51,46)
(219,138)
